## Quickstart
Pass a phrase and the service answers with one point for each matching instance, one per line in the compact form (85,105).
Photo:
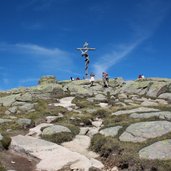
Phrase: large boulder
(52,130)
(166,96)
(160,150)
(156,89)
(139,132)
(7,101)
(52,156)
(27,97)
(112,131)
(25,123)
(79,87)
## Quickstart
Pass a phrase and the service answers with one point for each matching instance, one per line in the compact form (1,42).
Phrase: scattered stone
(7,101)
(112,131)
(157,88)
(100,98)
(97,123)
(122,96)
(139,132)
(25,123)
(166,96)
(114,169)
(103,105)
(54,129)
(36,131)
(160,150)
(12,110)
(161,101)
(5,120)
(27,107)
(66,102)
(27,97)
(149,103)
(140,109)
(50,119)
(161,115)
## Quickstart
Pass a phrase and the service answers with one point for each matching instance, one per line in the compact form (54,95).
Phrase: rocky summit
(73,125)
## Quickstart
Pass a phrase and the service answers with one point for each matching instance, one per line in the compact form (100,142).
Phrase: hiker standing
(105,78)
(92,79)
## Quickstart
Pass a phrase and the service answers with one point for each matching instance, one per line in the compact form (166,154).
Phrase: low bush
(101,113)
(104,145)
(5,142)
(59,138)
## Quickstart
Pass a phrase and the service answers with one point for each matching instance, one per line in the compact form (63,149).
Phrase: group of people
(141,77)
(105,77)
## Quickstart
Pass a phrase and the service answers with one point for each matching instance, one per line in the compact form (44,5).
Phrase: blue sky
(40,37)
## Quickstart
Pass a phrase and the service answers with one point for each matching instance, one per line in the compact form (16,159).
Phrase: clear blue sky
(40,37)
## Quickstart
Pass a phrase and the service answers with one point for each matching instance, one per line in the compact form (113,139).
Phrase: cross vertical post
(84,52)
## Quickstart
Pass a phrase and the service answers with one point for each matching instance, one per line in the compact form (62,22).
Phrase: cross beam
(86,48)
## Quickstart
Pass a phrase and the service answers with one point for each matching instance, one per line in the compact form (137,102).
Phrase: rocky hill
(70,125)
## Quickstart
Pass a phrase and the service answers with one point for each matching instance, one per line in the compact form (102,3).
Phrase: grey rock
(51,130)
(161,115)
(160,150)
(27,97)
(24,122)
(112,131)
(50,119)
(166,96)
(149,103)
(13,109)
(157,88)
(100,98)
(8,100)
(139,132)
(140,109)
(1,137)
(122,96)
(26,107)
(5,120)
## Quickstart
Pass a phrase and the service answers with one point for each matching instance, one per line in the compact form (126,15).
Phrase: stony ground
(77,127)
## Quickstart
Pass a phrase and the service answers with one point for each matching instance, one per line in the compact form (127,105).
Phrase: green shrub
(82,119)
(104,145)
(2,168)
(59,137)
(5,142)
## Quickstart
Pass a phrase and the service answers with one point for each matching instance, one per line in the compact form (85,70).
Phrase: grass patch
(124,155)
(101,113)
(82,102)
(5,142)
(2,168)
(59,138)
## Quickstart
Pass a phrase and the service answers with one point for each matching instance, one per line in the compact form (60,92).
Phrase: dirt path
(13,161)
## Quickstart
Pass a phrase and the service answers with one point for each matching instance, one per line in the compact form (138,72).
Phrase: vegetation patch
(101,113)
(82,102)
(124,155)
(59,138)
(5,142)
